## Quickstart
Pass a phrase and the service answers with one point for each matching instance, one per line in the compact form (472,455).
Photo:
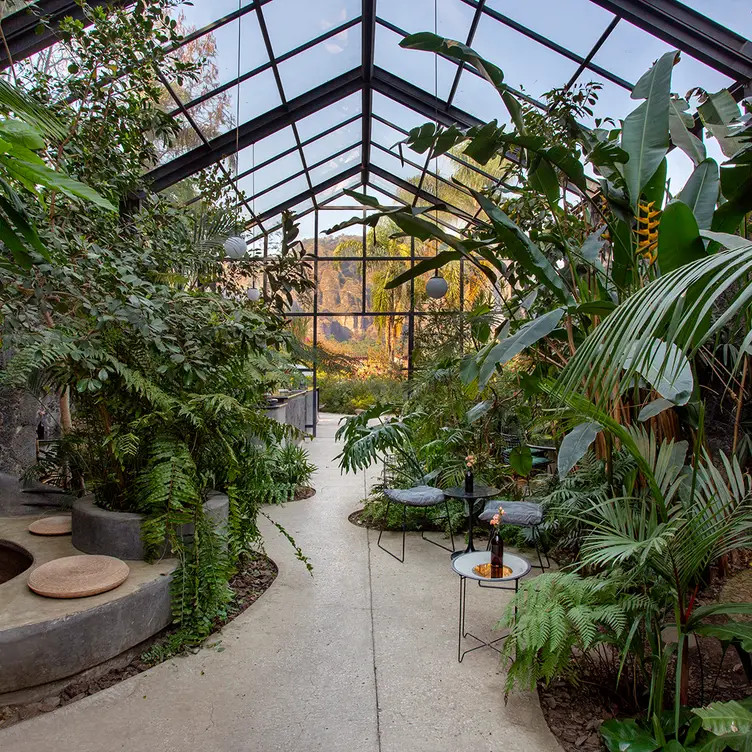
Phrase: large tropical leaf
(680,123)
(575,444)
(660,311)
(700,192)
(627,736)
(645,135)
(726,718)
(528,334)
(679,240)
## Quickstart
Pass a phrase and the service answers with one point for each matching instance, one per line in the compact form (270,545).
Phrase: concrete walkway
(360,658)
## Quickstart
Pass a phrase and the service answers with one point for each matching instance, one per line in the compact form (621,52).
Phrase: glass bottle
(468,481)
(497,553)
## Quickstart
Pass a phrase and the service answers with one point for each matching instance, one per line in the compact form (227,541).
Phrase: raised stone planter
(100,531)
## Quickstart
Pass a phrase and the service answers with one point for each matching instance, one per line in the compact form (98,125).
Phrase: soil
(257,574)
(575,713)
(303,492)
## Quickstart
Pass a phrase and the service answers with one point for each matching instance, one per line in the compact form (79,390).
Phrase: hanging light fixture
(235,247)
(253,293)
(437,286)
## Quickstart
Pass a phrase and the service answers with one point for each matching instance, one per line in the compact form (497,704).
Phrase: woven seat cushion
(521,513)
(420,496)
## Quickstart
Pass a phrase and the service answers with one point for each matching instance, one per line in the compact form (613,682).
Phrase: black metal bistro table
(464,565)
(479,493)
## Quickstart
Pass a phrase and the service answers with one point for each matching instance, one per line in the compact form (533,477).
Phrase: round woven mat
(78,576)
(59,524)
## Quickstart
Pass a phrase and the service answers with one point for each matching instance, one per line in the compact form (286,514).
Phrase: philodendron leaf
(645,135)
(521,460)
(731,631)
(575,444)
(525,336)
(701,191)
(666,369)
(627,736)
(654,408)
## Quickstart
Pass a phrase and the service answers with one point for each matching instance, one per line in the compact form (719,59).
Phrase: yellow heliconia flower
(648,220)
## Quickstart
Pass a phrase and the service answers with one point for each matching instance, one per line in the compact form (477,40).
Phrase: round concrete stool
(78,576)
(59,524)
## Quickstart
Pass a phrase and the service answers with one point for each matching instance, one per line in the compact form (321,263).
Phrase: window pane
(335,190)
(273,173)
(453,18)
(419,68)
(576,24)
(258,95)
(334,166)
(321,148)
(477,97)
(629,52)
(388,161)
(614,101)
(292,22)
(279,195)
(328,117)
(321,63)
(197,15)
(266,148)
(526,64)
(341,282)
(403,117)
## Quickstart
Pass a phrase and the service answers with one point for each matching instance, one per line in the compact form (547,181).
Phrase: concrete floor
(361,657)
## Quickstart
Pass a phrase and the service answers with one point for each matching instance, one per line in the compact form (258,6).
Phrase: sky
(527,65)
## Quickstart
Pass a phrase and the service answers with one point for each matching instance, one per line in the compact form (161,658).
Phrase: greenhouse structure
(376,375)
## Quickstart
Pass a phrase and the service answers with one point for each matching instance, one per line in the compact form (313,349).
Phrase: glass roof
(313,96)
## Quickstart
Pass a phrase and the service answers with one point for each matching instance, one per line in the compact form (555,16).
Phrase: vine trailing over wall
(134,318)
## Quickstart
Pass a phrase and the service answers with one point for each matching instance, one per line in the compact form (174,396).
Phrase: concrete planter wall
(100,531)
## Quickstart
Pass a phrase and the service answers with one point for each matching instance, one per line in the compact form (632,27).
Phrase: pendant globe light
(437,286)
(253,293)
(235,247)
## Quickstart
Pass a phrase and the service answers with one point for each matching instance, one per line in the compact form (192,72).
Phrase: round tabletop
(479,492)
(463,566)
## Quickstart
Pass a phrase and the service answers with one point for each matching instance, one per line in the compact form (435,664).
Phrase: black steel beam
(31,29)
(254,130)
(410,188)
(419,100)
(680,26)
(323,186)
(368,45)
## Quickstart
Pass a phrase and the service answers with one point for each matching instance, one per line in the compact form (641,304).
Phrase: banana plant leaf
(679,240)
(645,135)
(575,444)
(701,191)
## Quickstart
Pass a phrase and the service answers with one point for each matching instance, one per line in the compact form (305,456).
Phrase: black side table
(464,567)
(478,493)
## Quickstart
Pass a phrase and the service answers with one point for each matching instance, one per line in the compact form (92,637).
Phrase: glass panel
(266,148)
(333,142)
(321,63)
(219,49)
(329,116)
(388,161)
(453,18)
(292,22)
(414,66)
(216,116)
(273,173)
(340,282)
(333,166)
(734,14)
(380,196)
(527,65)
(576,24)
(629,52)
(477,97)
(186,139)
(335,190)
(279,195)
(378,273)
(258,95)
(388,188)
(385,134)
(197,15)
(396,113)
